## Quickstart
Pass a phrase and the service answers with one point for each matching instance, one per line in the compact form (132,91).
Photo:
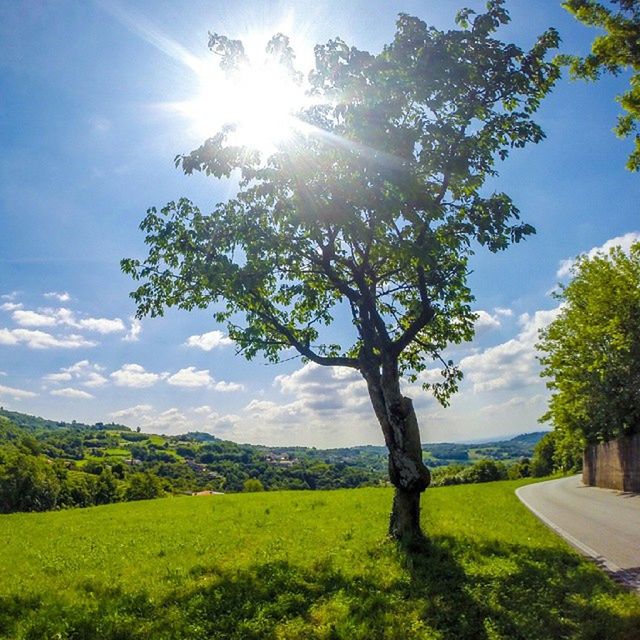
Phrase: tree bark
(410,478)
(407,472)
(404,523)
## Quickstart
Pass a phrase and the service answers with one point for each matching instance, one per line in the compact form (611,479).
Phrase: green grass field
(287,565)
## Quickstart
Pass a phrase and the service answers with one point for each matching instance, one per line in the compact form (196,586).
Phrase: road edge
(619,575)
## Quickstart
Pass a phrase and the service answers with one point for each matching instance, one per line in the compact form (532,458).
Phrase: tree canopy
(591,351)
(370,211)
(614,51)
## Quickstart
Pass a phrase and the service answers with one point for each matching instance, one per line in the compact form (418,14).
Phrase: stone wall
(614,464)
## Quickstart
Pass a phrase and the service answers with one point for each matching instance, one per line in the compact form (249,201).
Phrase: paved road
(602,523)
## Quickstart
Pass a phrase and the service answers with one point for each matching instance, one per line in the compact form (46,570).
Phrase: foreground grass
(302,565)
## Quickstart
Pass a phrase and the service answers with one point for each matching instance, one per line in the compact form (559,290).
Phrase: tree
(543,461)
(616,50)
(143,486)
(107,487)
(519,469)
(78,489)
(27,483)
(252,485)
(591,353)
(371,209)
(485,471)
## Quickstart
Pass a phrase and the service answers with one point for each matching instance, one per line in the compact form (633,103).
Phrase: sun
(259,100)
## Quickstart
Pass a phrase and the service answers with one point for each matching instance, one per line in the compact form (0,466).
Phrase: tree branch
(425,316)
(304,349)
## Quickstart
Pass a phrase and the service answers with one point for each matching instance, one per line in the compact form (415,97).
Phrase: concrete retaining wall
(614,464)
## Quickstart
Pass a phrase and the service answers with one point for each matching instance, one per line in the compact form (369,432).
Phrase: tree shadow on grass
(544,592)
(451,588)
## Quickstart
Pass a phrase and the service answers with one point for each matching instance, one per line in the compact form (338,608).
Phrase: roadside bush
(520,469)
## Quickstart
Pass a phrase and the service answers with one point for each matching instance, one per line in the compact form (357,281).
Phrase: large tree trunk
(404,523)
(407,472)
(409,476)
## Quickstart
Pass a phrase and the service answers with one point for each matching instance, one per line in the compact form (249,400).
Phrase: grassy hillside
(287,565)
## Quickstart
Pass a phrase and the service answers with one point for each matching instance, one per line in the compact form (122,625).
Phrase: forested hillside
(46,464)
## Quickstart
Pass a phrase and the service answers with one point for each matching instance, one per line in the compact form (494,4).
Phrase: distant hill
(440,452)
(529,438)
(199,436)
(34,422)
(520,446)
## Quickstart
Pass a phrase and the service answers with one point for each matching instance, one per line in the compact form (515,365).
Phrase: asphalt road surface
(601,523)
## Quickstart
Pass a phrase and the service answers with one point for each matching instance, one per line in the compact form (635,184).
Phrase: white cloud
(10,296)
(62,315)
(61,297)
(190,377)
(624,242)
(517,402)
(330,407)
(69,392)
(226,387)
(8,338)
(502,311)
(531,324)
(58,377)
(209,341)
(204,409)
(210,421)
(33,319)
(80,367)
(134,376)
(135,328)
(132,412)
(16,394)
(325,389)
(102,325)
(485,321)
(49,317)
(41,340)
(11,306)
(94,379)
(150,420)
(170,421)
(84,372)
(512,364)
(270,411)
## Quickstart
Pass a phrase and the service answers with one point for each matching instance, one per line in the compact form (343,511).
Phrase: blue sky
(88,145)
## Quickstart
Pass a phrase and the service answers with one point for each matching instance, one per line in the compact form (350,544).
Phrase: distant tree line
(481,471)
(36,483)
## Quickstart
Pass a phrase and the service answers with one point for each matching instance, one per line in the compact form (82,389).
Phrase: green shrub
(252,485)
(143,486)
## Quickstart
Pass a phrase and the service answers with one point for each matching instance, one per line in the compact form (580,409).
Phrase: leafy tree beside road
(615,50)
(371,208)
(591,352)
